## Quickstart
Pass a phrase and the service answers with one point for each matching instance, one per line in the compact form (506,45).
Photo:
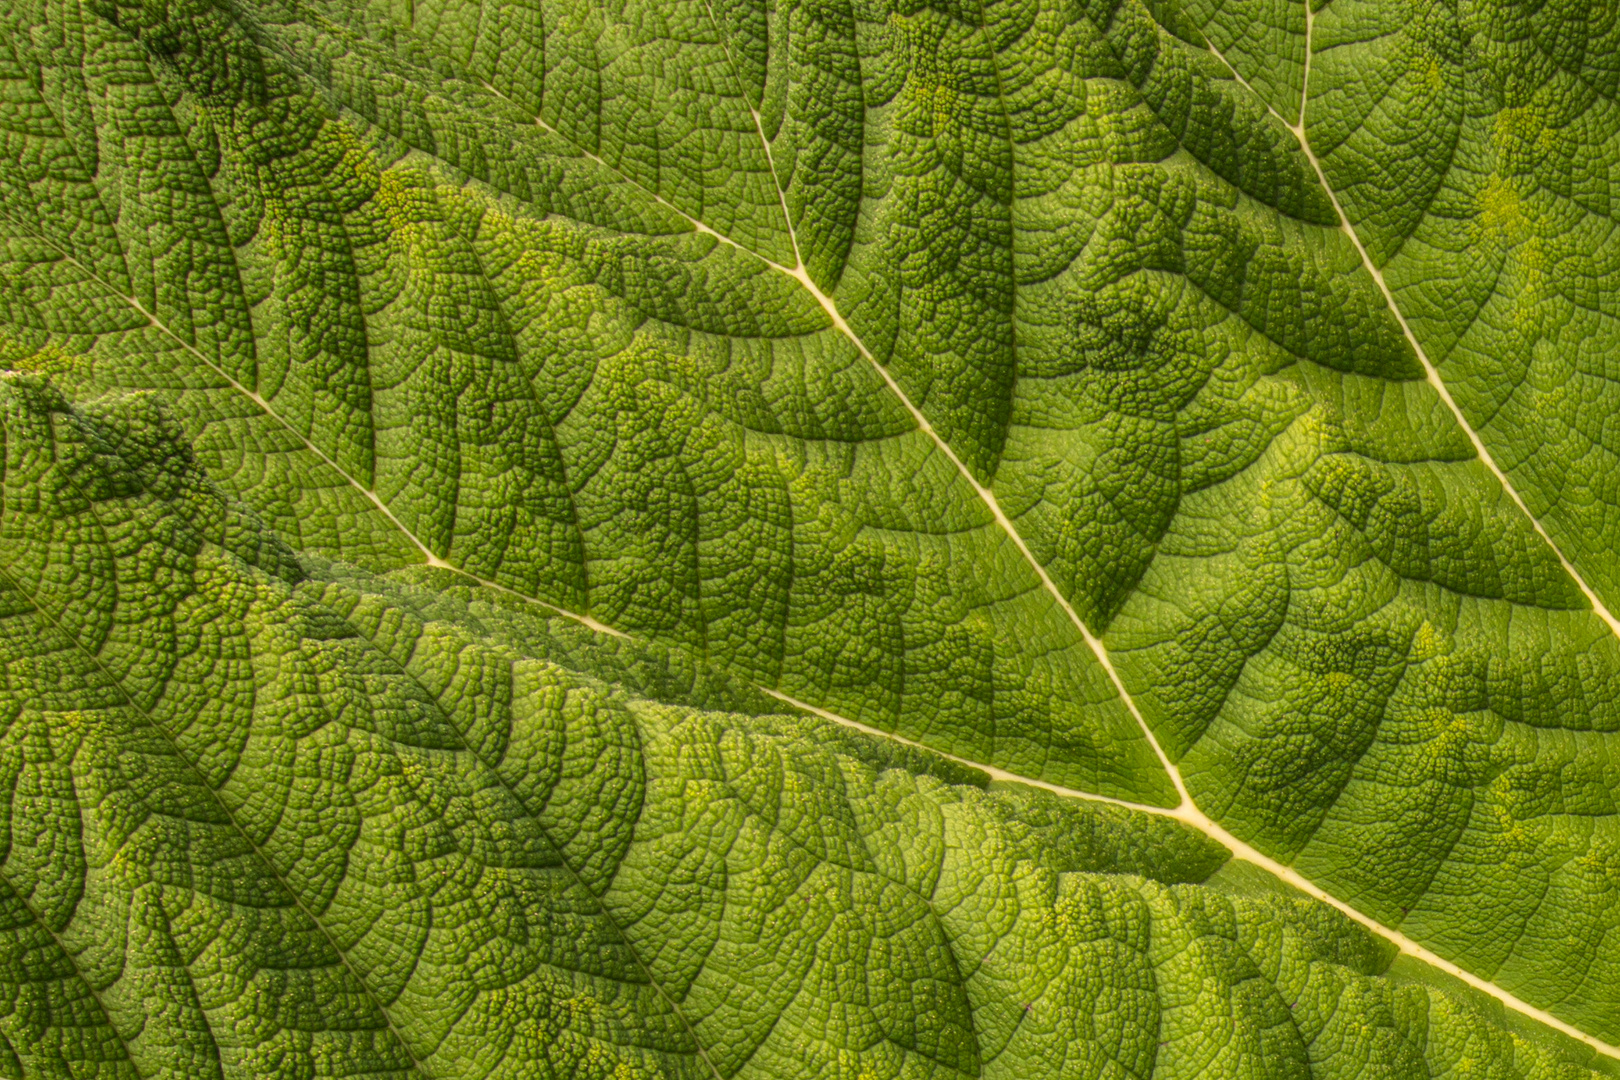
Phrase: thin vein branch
(1186,811)
(1298,129)
(428,557)
(1191,816)
(1431,373)
(73,962)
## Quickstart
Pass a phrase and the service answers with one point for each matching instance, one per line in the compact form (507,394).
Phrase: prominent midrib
(801,275)
(1187,812)
(1189,815)
(1432,374)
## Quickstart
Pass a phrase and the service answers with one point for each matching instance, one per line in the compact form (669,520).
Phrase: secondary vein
(1431,373)
(1186,811)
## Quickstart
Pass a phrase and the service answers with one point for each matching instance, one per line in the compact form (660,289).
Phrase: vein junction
(1186,811)
(1297,129)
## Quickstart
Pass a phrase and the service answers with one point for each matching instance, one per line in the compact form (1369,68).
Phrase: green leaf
(1199,405)
(275,820)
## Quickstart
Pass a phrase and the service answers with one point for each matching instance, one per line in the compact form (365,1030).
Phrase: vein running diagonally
(801,275)
(428,557)
(1186,812)
(1189,815)
(759,130)
(1297,129)
(431,560)
(73,962)
(702,1051)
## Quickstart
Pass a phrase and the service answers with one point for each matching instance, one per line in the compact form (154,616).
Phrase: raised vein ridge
(1297,128)
(428,557)
(1186,811)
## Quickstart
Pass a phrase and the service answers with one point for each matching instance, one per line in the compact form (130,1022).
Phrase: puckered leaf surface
(1199,404)
(268,819)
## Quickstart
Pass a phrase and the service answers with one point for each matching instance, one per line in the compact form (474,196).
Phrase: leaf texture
(1195,401)
(267,821)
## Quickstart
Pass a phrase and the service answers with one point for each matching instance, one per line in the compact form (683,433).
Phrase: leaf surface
(1194,404)
(270,820)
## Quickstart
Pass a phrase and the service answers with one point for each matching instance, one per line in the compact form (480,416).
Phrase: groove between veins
(1186,812)
(214,796)
(1431,373)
